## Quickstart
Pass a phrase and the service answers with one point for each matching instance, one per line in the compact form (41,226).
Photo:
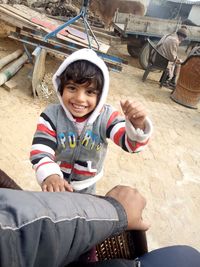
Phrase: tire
(133,51)
(144,56)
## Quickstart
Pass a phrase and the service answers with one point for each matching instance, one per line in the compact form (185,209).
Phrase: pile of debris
(100,12)
(64,9)
(56,8)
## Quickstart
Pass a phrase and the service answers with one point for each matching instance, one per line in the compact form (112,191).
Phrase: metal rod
(85,3)
(53,33)
(86,30)
(82,14)
(93,35)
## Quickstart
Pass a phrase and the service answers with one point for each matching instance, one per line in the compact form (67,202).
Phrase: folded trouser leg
(175,75)
(171,68)
(167,77)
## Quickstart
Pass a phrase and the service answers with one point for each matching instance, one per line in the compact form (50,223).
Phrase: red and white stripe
(134,146)
(40,149)
(82,170)
(117,132)
(66,167)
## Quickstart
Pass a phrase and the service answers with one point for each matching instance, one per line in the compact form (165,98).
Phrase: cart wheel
(133,50)
(144,56)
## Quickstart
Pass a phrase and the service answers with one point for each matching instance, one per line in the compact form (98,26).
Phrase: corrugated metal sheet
(186,2)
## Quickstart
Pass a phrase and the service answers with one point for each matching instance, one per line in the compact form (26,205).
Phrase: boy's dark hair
(82,71)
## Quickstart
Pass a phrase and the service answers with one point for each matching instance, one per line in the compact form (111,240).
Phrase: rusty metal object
(187,91)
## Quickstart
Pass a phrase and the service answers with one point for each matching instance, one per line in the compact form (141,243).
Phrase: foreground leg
(175,256)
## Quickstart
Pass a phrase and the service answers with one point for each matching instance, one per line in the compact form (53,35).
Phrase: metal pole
(11,70)
(85,3)
(5,60)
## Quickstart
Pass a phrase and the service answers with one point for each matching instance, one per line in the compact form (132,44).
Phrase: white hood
(91,56)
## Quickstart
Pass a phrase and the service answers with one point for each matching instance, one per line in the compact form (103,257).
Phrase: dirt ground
(167,172)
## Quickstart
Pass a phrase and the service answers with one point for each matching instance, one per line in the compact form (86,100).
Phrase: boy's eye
(92,92)
(70,87)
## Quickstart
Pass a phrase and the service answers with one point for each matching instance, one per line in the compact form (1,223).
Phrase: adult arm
(173,48)
(45,229)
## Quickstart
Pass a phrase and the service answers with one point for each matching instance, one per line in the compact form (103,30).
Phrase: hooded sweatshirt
(76,150)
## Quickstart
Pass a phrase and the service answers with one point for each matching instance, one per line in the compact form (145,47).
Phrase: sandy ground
(167,172)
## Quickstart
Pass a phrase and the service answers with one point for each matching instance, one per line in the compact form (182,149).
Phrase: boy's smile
(80,99)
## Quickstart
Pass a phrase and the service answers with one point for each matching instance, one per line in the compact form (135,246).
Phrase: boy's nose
(80,96)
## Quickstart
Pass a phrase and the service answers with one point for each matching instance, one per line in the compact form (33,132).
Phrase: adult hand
(54,183)
(133,203)
(135,112)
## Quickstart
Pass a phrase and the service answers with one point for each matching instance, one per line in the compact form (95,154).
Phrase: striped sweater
(76,150)
(58,148)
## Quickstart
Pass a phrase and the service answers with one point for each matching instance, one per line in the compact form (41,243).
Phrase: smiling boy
(70,142)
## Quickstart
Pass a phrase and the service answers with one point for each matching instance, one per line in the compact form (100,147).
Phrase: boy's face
(80,99)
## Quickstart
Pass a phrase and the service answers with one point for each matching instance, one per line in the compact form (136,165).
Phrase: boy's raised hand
(54,183)
(135,112)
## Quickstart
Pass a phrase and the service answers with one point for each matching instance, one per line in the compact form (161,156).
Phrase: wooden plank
(30,18)
(15,11)
(22,11)
(61,40)
(38,72)
(58,48)
(77,35)
(64,38)
(37,35)
(10,85)
(13,18)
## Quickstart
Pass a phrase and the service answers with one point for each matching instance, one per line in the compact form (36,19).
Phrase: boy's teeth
(79,107)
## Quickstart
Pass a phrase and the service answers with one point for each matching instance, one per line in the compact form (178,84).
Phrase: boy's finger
(62,189)
(126,106)
(44,188)
(123,111)
(56,188)
(68,187)
(134,107)
(49,188)
(137,114)
(122,104)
